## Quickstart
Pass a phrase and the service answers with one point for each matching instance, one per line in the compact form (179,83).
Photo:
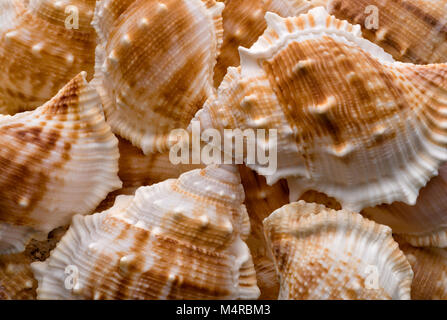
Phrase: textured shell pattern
(351,122)
(155,64)
(57,161)
(40,50)
(179,239)
(321,253)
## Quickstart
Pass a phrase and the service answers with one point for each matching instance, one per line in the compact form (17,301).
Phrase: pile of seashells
(91,207)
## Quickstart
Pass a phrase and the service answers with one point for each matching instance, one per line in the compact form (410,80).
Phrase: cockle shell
(430,272)
(155,64)
(321,253)
(410,30)
(261,200)
(351,122)
(43,45)
(57,161)
(179,239)
(425,223)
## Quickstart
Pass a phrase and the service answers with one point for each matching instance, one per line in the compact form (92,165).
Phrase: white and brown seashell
(321,253)
(154,66)
(430,272)
(43,45)
(179,239)
(351,122)
(425,223)
(57,161)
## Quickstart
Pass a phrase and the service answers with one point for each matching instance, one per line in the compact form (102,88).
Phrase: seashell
(425,223)
(261,200)
(43,45)
(321,253)
(57,161)
(138,170)
(179,239)
(243,23)
(430,272)
(155,64)
(16,277)
(351,122)
(410,30)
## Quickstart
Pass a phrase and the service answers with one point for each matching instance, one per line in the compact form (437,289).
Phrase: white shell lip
(347,233)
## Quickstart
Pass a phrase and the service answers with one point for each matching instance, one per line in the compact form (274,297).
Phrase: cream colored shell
(43,45)
(154,65)
(351,122)
(57,161)
(321,253)
(179,239)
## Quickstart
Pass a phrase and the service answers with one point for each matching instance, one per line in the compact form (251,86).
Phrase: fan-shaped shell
(351,122)
(155,64)
(179,239)
(425,223)
(57,161)
(321,253)
(430,272)
(43,45)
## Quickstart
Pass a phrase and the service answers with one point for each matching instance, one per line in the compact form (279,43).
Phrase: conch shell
(321,253)
(179,239)
(410,30)
(430,272)
(243,22)
(425,223)
(351,122)
(43,45)
(57,161)
(154,66)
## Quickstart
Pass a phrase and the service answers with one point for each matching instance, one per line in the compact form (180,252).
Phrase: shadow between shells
(92,207)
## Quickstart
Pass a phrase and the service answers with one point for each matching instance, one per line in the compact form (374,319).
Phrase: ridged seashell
(321,253)
(425,223)
(243,22)
(57,161)
(179,239)
(43,45)
(351,122)
(410,30)
(138,170)
(261,200)
(430,272)
(155,64)
(16,277)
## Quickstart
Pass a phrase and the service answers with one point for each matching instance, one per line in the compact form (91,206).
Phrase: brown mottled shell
(38,53)
(351,122)
(425,223)
(179,239)
(57,161)
(155,64)
(430,272)
(243,22)
(261,200)
(410,30)
(16,277)
(321,253)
